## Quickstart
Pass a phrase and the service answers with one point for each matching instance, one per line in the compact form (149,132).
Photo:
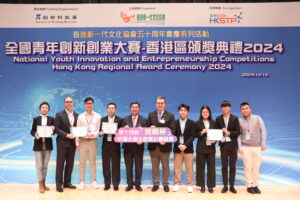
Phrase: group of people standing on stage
(246,135)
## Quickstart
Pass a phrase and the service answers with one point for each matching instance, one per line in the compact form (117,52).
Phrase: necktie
(134,121)
(159,116)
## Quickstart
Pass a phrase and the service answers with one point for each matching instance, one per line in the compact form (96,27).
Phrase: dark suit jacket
(201,143)
(141,122)
(62,128)
(169,122)
(233,128)
(38,144)
(107,145)
(188,136)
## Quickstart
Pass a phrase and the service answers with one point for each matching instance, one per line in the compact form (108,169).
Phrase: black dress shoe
(202,189)
(154,188)
(256,190)
(107,187)
(166,188)
(116,188)
(251,190)
(225,189)
(59,189)
(70,186)
(232,189)
(128,188)
(210,190)
(138,188)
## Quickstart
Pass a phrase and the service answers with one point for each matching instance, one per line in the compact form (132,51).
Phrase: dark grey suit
(65,148)
(161,153)
(134,152)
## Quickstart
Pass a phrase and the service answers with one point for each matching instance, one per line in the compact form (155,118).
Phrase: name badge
(248,136)
(181,139)
(109,138)
(89,131)
(208,142)
(227,139)
(162,121)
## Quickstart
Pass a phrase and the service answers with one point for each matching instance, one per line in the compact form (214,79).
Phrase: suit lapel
(67,118)
(130,121)
(49,122)
(39,120)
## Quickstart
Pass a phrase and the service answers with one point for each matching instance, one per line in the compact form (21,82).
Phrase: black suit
(188,136)
(161,153)
(38,144)
(65,148)
(111,155)
(229,150)
(134,152)
(205,154)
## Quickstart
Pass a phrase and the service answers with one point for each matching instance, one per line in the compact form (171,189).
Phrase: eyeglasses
(68,101)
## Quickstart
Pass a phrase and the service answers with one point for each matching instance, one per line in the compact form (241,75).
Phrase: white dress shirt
(91,121)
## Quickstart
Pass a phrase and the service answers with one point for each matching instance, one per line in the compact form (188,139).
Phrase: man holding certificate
(229,145)
(111,154)
(133,152)
(88,144)
(252,142)
(42,130)
(64,121)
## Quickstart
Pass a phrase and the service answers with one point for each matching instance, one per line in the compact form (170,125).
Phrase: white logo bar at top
(150,15)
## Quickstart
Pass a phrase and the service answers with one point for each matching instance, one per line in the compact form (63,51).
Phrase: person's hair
(135,102)
(225,104)
(207,108)
(244,104)
(111,103)
(161,97)
(187,107)
(44,103)
(88,99)
(68,97)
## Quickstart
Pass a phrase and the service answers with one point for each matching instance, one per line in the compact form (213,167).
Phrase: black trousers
(201,160)
(111,166)
(229,155)
(134,158)
(64,164)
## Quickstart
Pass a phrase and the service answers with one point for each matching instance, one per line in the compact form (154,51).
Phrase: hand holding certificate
(44,131)
(109,128)
(215,134)
(79,131)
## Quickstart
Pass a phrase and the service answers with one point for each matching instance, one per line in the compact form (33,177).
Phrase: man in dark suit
(185,132)
(111,154)
(229,146)
(160,152)
(64,120)
(133,152)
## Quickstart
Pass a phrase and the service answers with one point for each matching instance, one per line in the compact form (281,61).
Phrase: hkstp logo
(224,19)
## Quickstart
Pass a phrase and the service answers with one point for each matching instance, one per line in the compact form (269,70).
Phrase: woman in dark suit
(42,146)
(205,151)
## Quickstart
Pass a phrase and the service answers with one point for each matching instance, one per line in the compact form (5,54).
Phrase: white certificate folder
(109,128)
(215,134)
(79,131)
(44,131)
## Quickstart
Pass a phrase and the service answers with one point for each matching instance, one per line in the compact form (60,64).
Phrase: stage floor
(30,192)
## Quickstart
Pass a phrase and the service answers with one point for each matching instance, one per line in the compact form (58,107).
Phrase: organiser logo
(225,18)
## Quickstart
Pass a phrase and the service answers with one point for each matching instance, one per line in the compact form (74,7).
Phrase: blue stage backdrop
(134,53)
